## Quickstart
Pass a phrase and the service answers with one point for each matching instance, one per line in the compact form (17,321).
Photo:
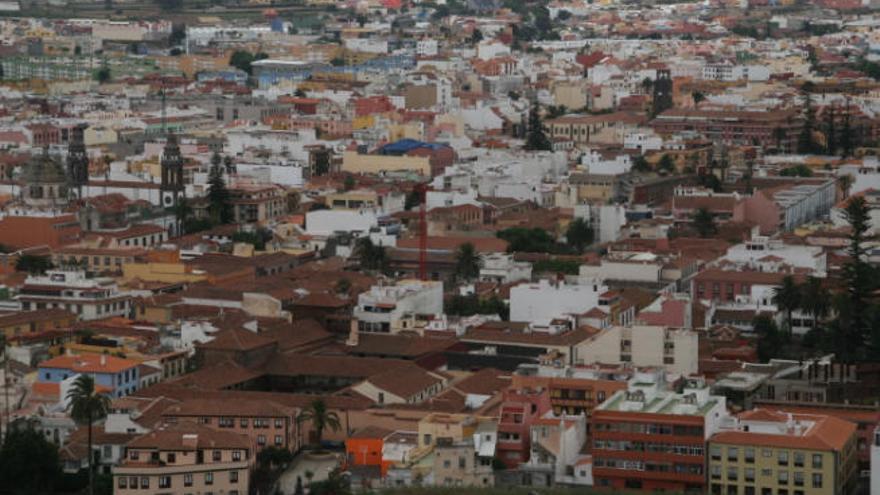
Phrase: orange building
(364,448)
(19,232)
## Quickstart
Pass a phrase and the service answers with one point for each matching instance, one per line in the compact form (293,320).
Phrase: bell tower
(77,161)
(172,172)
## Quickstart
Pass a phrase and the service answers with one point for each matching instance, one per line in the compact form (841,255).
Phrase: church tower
(172,172)
(45,183)
(662,92)
(77,161)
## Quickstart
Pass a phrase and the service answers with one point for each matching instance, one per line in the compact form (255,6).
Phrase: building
(540,303)
(185,458)
(734,127)
(650,438)
(71,290)
(113,375)
(389,309)
(519,410)
(764,451)
(263,423)
(574,390)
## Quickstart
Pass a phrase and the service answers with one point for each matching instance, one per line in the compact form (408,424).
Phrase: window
(798,478)
(279,440)
(782,456)
(716,472)
(123,482)
(732,474)
(133,481)
(749,474)
(462,462)
(732,454)
(782,477)
(172,458)
(209,478)
(188,479)
(716,453)
(164,481)
(233,476)
(426,440)
(261,439)
(134,455)
(279,423)
(236,455)
(817,480)
(145,482)
(798,459)
(817,461)
(244,422)
(749,454)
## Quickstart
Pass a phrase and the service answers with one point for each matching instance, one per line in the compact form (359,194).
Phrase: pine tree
(805,139)
(846,137)
(830,132)
(219,206)
(537,139)
(855,317)
(704,223)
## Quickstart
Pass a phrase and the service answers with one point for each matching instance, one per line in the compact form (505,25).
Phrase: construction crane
(422,190)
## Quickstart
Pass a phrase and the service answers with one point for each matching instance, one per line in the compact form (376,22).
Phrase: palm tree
(86,406)
(787,297)
(467,262)
(320,417)
(815,299)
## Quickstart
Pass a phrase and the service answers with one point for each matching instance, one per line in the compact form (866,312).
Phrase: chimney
(353,334)
(190,440)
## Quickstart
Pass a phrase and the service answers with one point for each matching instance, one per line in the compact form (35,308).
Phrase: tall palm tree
(86,406)
(467,262)
(320,417)
(787,297)
(815,299)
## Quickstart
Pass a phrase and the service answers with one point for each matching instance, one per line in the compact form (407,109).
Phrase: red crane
(422,190)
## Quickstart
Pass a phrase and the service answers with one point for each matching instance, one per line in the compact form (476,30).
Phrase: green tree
(799,170)
(579,235)
(86,406)
(349,183)
(413,199)
(698,96)
(536,139)
(525,240)
(857,276)
(787,297)
(704,223)
(33,264)
(639,164)
(805,138)
(103,75)
(830,131)
(770,339)
(815,299)
(778,135)
(219,207)
(29,464)
(243,60)
(467,262)
(320,418)
(274,457)
(371,256)
(846,133)
(666,163)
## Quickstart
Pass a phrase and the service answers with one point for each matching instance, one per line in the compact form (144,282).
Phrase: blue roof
(406,145)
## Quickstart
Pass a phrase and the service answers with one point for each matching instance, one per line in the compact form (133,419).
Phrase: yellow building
(352,200)
(357,163)
(775,453)
(170,273)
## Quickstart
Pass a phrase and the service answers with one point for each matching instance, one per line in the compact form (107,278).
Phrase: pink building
(519,411)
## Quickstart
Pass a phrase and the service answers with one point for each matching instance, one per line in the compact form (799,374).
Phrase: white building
(676,351)
(770,255)
(326,222)
(392,308)
(540,303)
(501,268)
(71,290)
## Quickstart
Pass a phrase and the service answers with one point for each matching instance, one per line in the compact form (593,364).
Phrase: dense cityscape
(523,247)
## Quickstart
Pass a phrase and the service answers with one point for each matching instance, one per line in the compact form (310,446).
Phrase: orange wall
(23,232)
(365,451)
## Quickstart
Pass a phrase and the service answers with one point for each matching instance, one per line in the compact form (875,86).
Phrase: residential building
(769,452)
(72,290)
(388,309)
(113,375)
(650,438)
(185,458)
